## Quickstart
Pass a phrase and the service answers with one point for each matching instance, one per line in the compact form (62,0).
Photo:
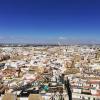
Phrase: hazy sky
(50,21)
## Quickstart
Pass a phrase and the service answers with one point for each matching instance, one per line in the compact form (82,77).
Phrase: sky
(49,21)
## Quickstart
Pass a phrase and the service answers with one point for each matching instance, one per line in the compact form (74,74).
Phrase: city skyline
(49,21)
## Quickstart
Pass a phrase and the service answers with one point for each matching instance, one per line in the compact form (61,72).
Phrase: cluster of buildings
(27,70)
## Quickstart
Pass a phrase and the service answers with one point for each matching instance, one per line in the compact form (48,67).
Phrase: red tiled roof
(87,87)
(96,95)
(94,82)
